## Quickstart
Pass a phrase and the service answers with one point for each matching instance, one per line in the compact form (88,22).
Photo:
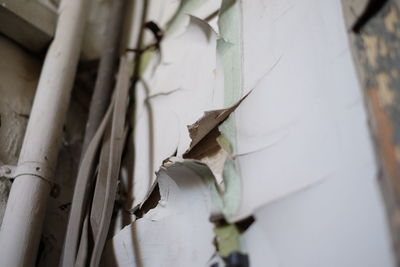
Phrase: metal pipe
(23,219)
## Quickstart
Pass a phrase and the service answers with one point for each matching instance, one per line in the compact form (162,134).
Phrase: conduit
(76,244)
(23,219)
(107,68)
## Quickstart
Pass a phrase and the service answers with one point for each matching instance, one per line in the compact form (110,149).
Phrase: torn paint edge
(229,48)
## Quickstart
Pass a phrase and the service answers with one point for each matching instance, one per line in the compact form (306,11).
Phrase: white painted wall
(308,173)
(310,179)
(312,104)
(340,222)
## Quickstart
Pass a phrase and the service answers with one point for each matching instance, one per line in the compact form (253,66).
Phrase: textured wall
(19,72)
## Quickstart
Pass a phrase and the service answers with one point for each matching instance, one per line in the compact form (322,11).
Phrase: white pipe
(23,219)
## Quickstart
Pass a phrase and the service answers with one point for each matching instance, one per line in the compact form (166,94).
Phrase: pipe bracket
(30,168)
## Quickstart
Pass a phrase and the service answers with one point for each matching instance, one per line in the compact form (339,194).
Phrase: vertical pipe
(23,219)
(98,106)
(107,70)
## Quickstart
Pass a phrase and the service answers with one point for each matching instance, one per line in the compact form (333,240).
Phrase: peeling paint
(382,79)
(177,229)
(377,50)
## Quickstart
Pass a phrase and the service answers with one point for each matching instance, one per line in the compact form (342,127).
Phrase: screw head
(7,170)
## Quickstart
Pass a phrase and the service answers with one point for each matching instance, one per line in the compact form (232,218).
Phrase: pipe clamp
(31,168)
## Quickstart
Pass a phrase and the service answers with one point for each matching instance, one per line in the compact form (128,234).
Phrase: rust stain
(384,134)
(377,49)
(379,55)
